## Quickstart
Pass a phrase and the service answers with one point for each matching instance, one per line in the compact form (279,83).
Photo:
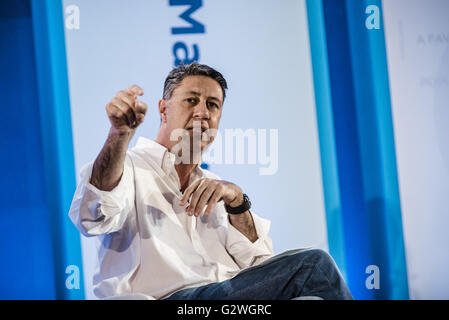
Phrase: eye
(191,100)
(212,105)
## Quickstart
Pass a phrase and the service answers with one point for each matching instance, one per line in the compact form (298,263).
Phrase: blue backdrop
(357,150)
(37,240)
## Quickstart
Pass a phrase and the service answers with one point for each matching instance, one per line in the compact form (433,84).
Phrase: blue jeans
(289,275)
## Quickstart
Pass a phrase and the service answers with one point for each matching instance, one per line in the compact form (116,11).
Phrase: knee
(318,256)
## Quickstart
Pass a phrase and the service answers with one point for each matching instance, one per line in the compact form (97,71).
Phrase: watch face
(246,202)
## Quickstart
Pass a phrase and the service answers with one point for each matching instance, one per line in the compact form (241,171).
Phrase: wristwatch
(246,205)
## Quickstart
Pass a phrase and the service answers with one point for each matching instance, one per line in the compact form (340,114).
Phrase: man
(169,229)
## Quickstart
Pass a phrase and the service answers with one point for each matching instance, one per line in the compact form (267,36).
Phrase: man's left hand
(208,192)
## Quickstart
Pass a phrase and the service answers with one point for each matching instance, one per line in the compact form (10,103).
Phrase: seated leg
(298,273)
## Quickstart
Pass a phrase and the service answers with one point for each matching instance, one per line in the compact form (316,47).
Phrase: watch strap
(246,205)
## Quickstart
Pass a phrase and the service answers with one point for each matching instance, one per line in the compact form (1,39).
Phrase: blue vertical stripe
(26,268)
(357,247)
(57,138)
(357,147)
(377,149)
(326,133)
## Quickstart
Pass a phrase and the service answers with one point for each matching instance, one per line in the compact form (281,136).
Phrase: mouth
(203,129)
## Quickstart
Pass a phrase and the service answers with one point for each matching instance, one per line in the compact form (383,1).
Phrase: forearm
(245,224)
(108,166)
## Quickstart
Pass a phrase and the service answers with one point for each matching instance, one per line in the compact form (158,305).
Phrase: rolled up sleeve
(94,211)
(245,252)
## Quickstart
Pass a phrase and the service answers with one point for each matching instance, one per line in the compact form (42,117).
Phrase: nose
(201,112)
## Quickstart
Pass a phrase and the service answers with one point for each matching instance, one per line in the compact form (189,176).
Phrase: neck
(184,170)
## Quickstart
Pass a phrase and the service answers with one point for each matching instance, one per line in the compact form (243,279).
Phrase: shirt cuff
(245,252)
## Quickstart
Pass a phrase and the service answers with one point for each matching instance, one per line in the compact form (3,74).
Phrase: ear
(163,110)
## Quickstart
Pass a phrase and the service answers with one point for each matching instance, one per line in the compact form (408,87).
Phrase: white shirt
(149,246)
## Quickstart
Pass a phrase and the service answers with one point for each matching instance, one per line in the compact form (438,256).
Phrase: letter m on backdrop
(195,27)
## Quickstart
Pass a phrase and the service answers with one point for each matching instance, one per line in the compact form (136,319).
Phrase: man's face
(199,99)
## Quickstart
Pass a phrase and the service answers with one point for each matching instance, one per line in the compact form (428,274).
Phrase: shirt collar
(156,151)
(161,155)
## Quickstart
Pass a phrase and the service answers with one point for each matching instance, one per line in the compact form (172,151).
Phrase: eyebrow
(198,94)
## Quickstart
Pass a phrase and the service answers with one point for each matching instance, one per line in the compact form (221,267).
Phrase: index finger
(135,90)
(189,190)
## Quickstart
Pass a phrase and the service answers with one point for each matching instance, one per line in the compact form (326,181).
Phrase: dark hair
(178,74)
